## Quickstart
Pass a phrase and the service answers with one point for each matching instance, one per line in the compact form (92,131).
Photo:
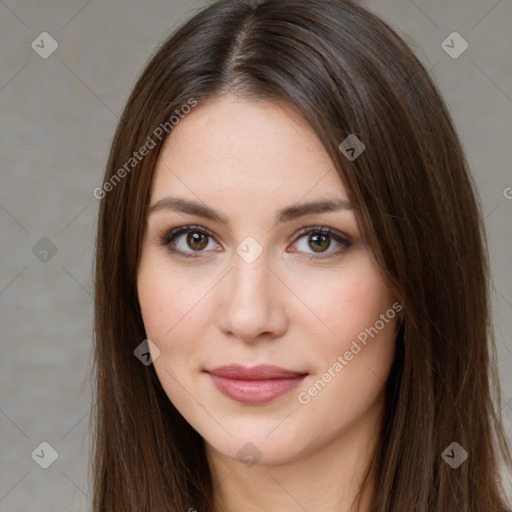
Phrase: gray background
(58,117)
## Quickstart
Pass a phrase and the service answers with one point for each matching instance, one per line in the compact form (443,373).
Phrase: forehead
(234,148)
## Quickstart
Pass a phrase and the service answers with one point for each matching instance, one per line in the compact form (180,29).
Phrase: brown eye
(323,241)
(319,242)
(188,241)
(197,241)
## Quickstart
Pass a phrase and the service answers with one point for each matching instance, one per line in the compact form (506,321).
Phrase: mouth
(254,385)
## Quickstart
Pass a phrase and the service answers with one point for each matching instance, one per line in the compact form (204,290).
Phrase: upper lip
(260,372)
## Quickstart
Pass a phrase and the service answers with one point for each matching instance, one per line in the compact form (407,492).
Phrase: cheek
(346,302)
(353,360)
(357,347)
(167,299)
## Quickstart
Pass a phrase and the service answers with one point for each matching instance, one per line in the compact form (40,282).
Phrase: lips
(256,384)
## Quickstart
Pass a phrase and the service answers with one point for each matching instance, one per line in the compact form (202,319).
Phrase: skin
(292,307)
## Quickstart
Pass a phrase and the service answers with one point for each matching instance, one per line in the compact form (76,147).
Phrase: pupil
(194,240)
(321,238)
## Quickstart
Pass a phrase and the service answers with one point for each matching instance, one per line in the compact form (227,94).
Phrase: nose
(253,302)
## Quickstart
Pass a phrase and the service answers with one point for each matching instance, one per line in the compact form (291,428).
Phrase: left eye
(319,239)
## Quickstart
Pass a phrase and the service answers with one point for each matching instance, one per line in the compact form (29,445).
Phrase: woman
(292,303)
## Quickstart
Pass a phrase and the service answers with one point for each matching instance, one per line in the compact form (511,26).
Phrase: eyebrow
(284,215)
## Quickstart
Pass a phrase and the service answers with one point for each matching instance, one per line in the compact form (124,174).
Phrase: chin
(262,443)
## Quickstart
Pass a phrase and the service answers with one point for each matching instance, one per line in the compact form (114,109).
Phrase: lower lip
(255,391)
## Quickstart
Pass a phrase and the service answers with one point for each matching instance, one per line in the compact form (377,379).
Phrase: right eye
(196,239)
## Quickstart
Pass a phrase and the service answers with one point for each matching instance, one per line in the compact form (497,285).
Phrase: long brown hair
(345,72)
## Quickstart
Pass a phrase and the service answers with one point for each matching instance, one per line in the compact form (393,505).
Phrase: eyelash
(171,235)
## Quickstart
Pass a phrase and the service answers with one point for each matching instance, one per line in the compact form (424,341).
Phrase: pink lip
(254,385)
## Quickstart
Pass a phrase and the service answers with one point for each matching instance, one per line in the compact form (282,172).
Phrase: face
(273,323)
